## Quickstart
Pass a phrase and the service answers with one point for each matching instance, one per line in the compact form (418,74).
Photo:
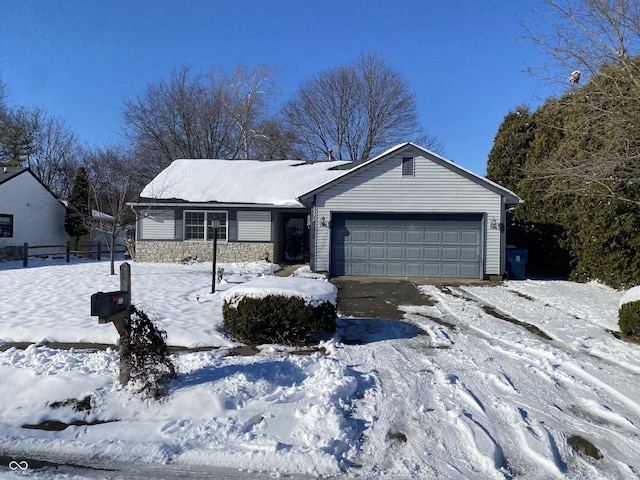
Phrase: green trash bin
(517,262)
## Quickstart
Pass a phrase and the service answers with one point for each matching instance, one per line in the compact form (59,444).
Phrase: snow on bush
(312,291)
(631,295)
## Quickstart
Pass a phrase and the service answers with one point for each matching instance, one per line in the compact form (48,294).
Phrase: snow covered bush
(151,365)
(629,313)
(290,311)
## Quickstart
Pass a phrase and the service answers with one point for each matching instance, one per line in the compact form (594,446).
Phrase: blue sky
(463,59)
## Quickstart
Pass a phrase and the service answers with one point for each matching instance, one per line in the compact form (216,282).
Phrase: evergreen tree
(78,216)
(578,176)
(15,143)
(510,146)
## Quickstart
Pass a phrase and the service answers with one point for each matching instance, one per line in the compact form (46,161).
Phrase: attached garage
(407,245)
(409,213)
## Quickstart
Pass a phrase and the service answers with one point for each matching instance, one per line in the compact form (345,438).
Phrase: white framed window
(200,225)
(408,166)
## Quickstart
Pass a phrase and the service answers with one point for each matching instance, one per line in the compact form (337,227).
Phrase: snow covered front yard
(488,382)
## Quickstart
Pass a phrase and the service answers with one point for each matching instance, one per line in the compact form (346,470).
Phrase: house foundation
(171,252)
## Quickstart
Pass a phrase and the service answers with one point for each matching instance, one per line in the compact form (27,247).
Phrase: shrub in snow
(629,313)
(151,367)
(290,311)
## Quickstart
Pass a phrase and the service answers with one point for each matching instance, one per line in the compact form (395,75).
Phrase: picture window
(200,225)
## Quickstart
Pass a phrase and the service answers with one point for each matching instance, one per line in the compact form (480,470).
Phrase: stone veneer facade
(170,251)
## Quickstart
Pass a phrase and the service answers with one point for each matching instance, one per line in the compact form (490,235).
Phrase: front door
(296,238)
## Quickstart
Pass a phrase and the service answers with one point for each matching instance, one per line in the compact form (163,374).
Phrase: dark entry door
(296,238)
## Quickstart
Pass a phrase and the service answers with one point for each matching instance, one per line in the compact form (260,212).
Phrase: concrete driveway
(379,297)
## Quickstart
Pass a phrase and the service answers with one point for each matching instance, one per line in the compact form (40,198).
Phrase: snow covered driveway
(500,382)
(522,380)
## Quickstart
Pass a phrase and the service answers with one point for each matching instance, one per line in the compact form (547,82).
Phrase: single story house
(29,213)
(407,212)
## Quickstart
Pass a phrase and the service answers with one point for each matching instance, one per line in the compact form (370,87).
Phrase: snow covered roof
(278,182)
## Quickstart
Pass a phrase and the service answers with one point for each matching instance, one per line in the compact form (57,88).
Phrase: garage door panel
(377,236)
(414,236)
(451,238)
(469,238)
(419,245)
(395,236)
(450,270)
(433,253)
(451,224)
(358,268)
(359,236)
(469,271)
(377,269)
(432,237)
(359,253)
(449,253)
(469,254)
(414,269)
(433,270)
(395,269)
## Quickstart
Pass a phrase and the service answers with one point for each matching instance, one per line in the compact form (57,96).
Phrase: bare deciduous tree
(585,35)
(600,154)
(248,104)
(355,111)
(210,115)
(55,152)
(276,141)
(112,183)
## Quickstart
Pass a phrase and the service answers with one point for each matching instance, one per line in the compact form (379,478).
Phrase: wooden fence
(30,251)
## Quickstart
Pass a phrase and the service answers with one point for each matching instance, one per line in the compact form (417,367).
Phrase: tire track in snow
(577,355)
(404,367)
(541,433)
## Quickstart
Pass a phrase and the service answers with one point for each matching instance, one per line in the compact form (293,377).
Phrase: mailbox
(105,304)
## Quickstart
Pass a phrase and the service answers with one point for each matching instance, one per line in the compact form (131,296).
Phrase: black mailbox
(105,304)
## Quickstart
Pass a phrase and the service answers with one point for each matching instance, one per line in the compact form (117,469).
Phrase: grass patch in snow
(83,405)
(398,436)
(584,447)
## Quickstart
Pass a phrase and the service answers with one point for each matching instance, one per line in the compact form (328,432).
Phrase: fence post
(25,255)
(68,251)
(99,250)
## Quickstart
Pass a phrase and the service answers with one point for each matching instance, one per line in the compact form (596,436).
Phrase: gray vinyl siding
(381,187)
(158,225)
(254,226)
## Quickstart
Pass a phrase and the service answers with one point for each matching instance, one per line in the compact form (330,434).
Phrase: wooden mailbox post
(116,307)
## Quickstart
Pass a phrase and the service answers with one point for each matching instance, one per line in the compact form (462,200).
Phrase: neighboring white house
(407,212)
(29,212)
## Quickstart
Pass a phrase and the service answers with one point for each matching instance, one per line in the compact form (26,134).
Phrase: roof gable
(508,195)
(7,173)
(277,182)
